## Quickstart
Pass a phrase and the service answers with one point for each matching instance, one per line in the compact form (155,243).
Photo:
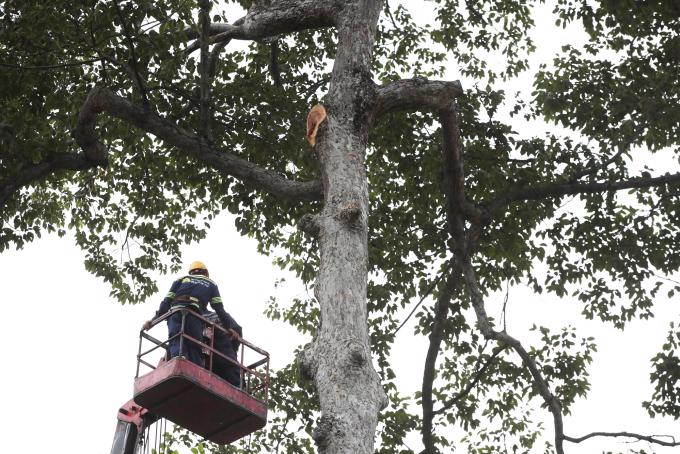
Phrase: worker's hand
(147,325)
(233,334)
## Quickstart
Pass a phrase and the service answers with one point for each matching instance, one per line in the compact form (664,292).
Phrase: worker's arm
(165,305)
(233,329)
(225,319)
(235,326)
(218,307)
(221,313)
(235,332)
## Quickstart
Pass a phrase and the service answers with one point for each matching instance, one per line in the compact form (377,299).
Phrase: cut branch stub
(349,213)
(309,223)
(306,362)
(356,353)
(315,117)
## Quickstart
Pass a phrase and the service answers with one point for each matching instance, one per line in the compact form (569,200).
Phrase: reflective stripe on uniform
(196,305)
(200,276)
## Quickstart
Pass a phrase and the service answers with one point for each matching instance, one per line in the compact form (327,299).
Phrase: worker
(227,344)
(194,291)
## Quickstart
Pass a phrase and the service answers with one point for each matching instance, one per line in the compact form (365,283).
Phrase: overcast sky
(70,349)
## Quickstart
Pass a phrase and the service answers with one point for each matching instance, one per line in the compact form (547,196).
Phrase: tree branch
(215,57)
(555,190)
(35,172)
(48,67)
(102,100)
(274,69)
(205,116)
(453,189)
(648,438)
(454,178)
(415,94)
(275,18)
(472,383)
(132,68)
(486,327)
(441,312)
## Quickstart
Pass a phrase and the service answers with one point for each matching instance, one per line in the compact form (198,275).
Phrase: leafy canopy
(610,101)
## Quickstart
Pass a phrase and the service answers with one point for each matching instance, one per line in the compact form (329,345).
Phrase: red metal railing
(254,381)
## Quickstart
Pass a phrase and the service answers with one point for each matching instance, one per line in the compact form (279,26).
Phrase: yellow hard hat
(197,266)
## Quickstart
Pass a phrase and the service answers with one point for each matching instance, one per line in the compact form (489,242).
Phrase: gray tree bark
(339,358)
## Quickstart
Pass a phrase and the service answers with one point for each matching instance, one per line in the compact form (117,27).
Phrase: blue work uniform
(194,291)
(228,347)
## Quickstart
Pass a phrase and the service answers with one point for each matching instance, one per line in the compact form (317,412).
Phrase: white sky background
(69,350)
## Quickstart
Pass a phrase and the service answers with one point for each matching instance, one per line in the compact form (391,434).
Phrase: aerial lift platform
(192,396)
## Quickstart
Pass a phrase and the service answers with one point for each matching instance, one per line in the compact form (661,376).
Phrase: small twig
(492,159)
(96,48)
(475,379)
(125,244)
(425,295)
(315,86)
(486,327)
(505,304)
(389,14)
(652,211)
(592,169)
(666,279)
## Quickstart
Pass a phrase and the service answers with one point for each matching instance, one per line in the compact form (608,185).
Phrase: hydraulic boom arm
(132,420)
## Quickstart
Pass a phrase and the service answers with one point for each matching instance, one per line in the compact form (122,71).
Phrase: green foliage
(616,97)
(666,376)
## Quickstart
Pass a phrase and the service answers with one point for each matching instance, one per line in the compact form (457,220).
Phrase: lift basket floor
(198,400)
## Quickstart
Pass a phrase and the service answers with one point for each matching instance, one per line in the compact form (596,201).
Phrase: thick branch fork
(453,186)
(454,191)
(102,100)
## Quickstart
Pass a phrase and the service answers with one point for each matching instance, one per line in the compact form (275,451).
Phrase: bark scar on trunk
(329,426)
(365,95)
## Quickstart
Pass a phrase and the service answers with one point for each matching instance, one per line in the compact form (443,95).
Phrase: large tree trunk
(339,358)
